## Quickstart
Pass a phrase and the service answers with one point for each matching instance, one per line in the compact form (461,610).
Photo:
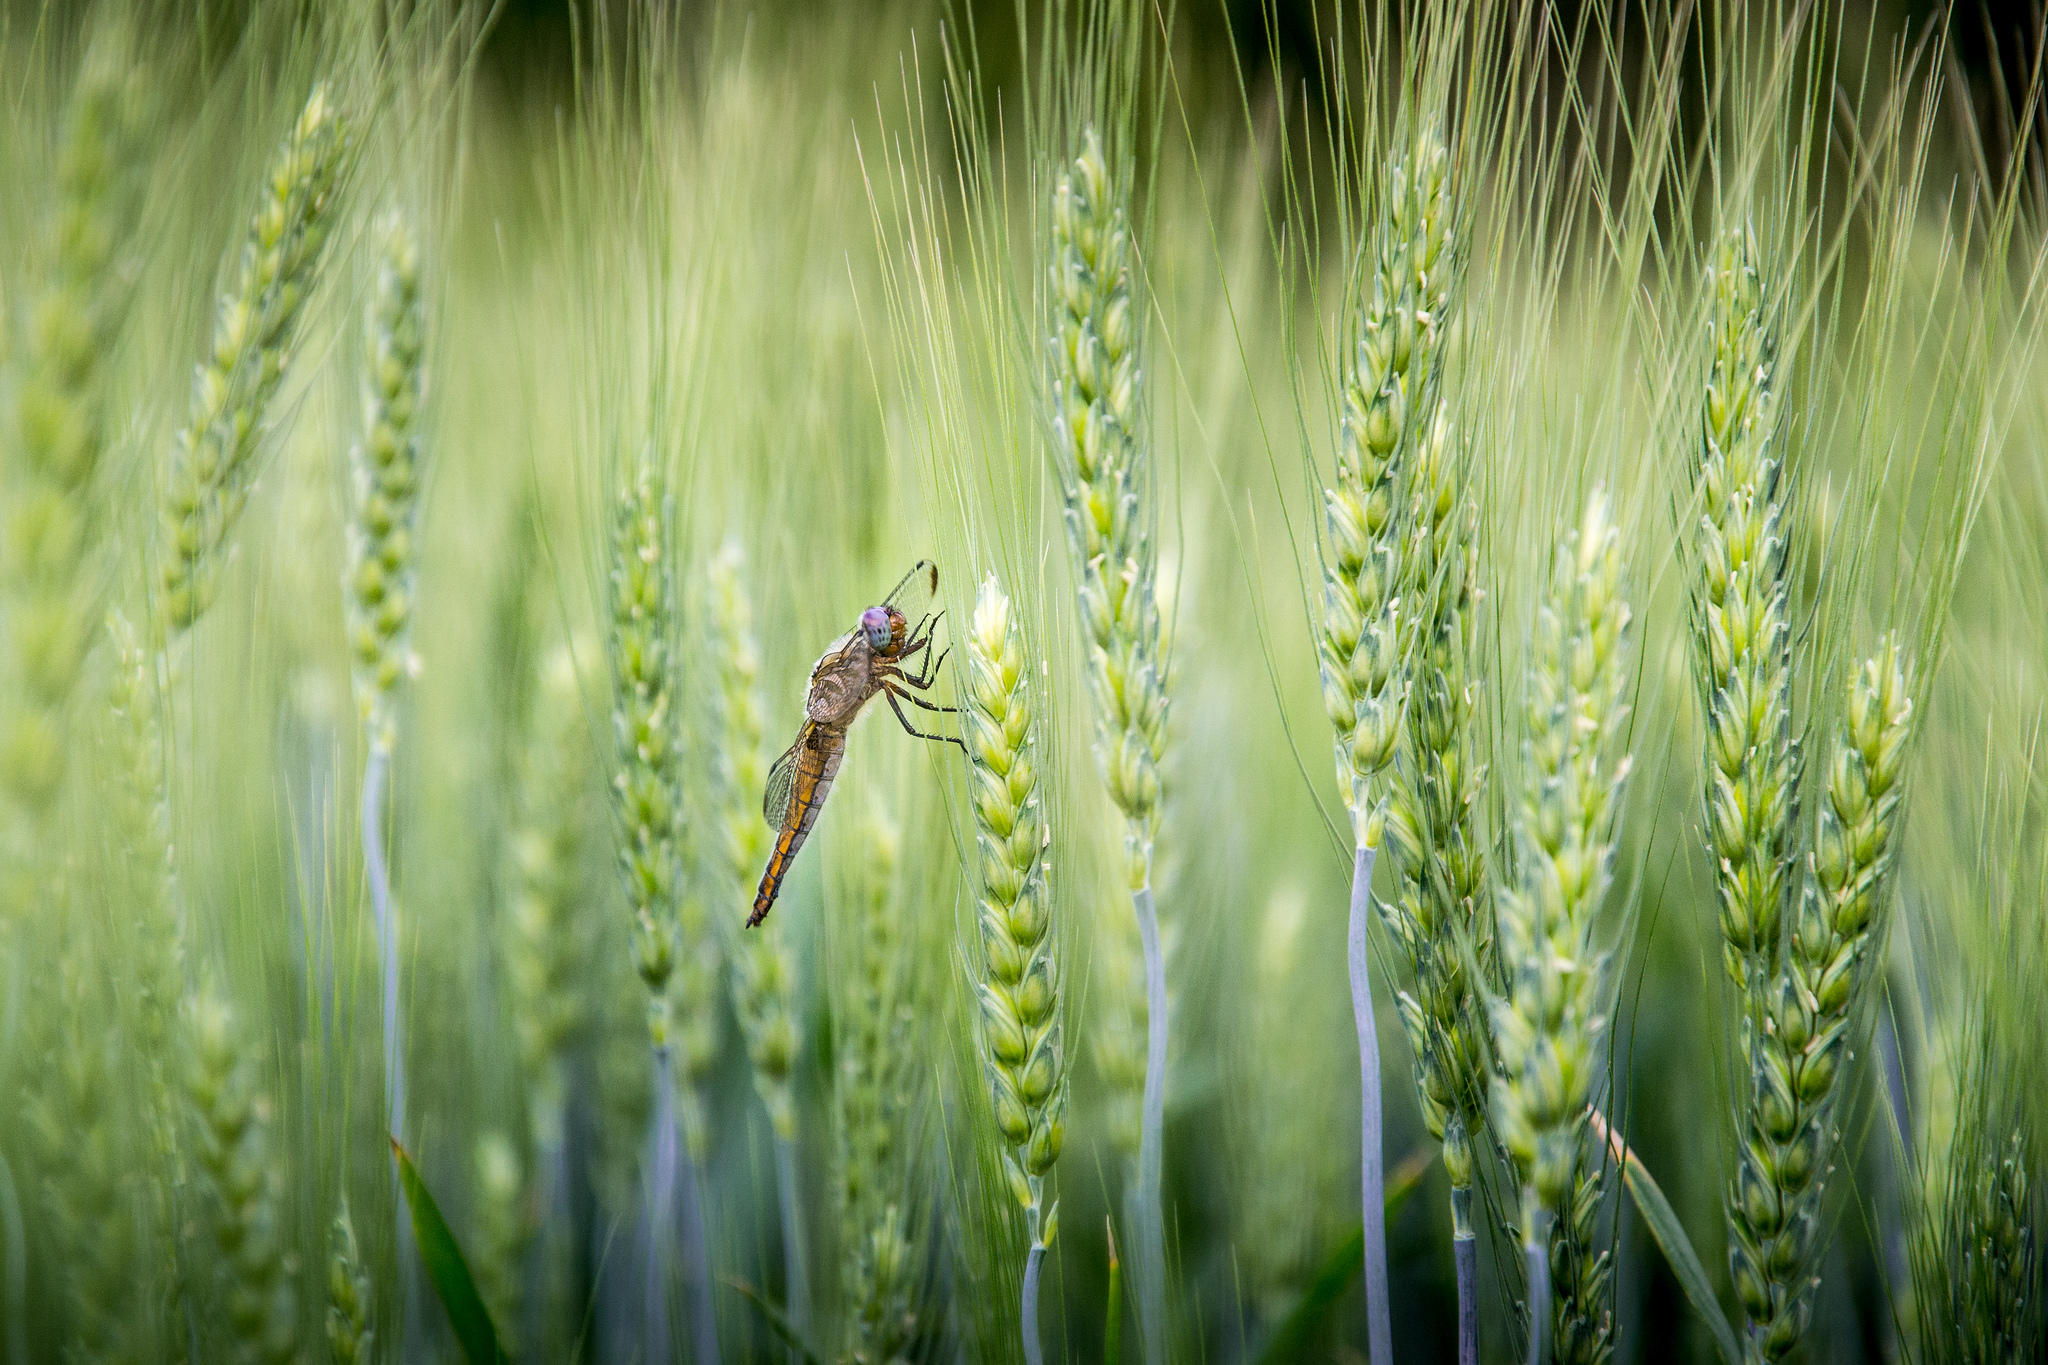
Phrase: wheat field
(1458,771)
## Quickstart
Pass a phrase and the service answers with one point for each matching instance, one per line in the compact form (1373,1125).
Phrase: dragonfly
(871,660)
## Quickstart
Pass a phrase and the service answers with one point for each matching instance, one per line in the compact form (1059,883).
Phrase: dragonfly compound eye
(874,623)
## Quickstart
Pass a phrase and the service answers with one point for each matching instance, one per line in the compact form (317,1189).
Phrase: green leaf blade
(448,1269)
(1662,1221)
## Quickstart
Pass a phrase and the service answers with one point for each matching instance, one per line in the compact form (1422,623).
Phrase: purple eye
(874,623)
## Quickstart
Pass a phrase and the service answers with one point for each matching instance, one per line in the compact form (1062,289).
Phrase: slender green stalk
(1017,982)
(1800,1050)
(1548,1025)
(1105,474)
(1388,384)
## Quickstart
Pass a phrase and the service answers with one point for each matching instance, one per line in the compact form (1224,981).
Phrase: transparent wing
(781,782)
(924,573)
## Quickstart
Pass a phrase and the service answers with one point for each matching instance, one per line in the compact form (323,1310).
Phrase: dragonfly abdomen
(817,765)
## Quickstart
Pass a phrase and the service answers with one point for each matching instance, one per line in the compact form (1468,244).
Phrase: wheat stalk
(1018,981)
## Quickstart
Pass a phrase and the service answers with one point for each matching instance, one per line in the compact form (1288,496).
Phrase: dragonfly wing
(781,782)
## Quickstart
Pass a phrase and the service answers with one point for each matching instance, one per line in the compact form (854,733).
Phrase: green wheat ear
(647,798)
(1018,985)
(1098,436)
(874,1089)
(1549,1025)
(351,1319)
(1390,382)
(48,529)
(1800,1044)
(256,329)
(384,485)
(763,973)
(243,1183)
(1742,621)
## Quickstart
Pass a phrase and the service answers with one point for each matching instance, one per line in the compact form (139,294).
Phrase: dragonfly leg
(920,636)
(923,680)
(904,720)
(916,700)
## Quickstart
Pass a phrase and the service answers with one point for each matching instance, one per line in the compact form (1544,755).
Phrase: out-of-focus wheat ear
(1116,1034)
(764,979)
(2004,1312)
(763,972)
(1549,1022)
(351,1312)
(643,626)
(51,527)
(83,1143)
(242,1187)
(138,826)
(504,1229)
(1802,1046)
(1742,634)
(872,1086)
(256,329)
(1096,391)
(384,485)
(1017,976)
(549,941)
(646,769)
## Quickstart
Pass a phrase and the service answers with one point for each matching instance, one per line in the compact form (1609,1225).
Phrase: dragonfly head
(883,627)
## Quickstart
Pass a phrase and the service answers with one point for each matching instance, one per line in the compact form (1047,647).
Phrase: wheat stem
(660,1201)
(1372,1140)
